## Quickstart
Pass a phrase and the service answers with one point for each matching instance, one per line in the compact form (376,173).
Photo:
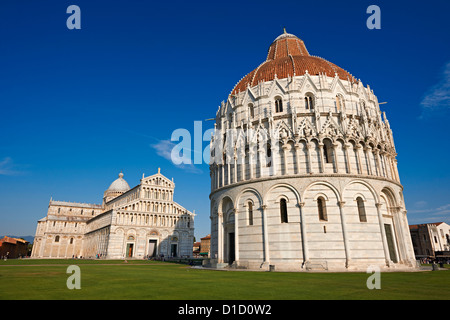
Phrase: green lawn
(46,279)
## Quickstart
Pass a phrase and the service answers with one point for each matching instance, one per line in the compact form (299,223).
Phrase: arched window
(251,110)
(339,103)
(278,105)
(250,213)
(269,155)
(361,209)
(71,241)
(57,239)
(362,105)
(283,211)
(327,156)
(322,209)
(309,102)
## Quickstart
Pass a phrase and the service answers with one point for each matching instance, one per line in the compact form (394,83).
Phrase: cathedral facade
(140,222)
(304,171)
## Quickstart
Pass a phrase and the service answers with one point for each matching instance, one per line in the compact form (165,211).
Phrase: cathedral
(304,171)
(140,222)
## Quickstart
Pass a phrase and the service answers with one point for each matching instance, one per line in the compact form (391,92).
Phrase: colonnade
(155,220)
(304,157)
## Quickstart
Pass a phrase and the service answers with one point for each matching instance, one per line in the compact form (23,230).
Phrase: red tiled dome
(288,56)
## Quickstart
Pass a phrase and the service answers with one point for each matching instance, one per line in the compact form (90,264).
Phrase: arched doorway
(229,241)
(129,251)
(226,232)
(388,211)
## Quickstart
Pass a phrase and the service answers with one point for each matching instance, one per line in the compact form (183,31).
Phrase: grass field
(139,279)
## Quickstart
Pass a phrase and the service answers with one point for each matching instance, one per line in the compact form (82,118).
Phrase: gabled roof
(160,178)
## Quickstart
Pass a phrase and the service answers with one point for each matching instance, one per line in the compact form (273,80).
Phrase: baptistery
(304,171)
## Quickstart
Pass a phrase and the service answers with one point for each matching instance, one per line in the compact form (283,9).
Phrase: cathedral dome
(119,185)
(287,56)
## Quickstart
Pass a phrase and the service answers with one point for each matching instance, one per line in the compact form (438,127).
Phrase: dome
(119,185)
(288,56)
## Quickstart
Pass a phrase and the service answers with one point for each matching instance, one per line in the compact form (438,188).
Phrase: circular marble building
(304,171)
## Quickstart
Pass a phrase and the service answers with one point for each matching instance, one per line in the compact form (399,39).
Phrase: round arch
(389,194)
(332,187)
(221,202)
(371,189)
(288,186)
(249,190)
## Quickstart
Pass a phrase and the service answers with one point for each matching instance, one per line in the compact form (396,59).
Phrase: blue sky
(79,106)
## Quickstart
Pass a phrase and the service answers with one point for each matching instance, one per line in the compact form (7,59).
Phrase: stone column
(367,151)
(236,236)
(398,230)
(377,162)
(391,168)
(358,158)
(228,171)
(265,234)
(285,147)
(383,234)
(243,166)
(382,163)
(344,233)
(297,158)
(308,153)
(261,153)
(383,158)
(235,169)
(335,158)
(347,158)
(217,175)
(219,237)
(321,161)
(396,170)
(409,251)
(275,153)
(251,160)
(303,234)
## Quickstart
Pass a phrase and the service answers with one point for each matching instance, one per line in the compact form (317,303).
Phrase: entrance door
(173,250)
(231,248)
(129,250)
(152,248)
(390,242)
